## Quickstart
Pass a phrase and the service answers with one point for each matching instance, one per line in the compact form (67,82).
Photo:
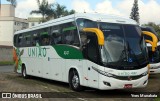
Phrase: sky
(149,9)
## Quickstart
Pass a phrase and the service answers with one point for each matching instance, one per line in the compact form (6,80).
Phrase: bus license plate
(128,86)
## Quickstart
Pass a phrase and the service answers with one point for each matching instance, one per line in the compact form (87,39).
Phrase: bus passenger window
(15,40)
(20,39)
(56,38)
(44,36)
(27,39)
(70,35)
(45,40)
(35,39)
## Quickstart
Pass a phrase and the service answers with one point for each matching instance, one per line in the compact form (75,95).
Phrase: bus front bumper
(155,68)
(111,83)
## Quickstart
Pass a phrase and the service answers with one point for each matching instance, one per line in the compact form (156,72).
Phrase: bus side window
(15,40)
(20,40)
(35,38)
(56,38)
(44,37)
(70,34)
(56,35)
(27,39)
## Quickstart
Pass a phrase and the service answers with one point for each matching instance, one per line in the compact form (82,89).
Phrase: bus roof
(91,16)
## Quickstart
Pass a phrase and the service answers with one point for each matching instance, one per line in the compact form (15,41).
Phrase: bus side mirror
(152,44)
(154,38)
(99,34)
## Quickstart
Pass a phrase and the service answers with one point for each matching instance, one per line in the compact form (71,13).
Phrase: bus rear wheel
(24,72)
(74,81)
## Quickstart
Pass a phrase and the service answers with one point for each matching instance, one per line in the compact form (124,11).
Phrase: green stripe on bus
(68,52)
(44,33)
(69,28)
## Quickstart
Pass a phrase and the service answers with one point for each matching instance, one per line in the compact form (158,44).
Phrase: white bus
(93,50)
(154,57)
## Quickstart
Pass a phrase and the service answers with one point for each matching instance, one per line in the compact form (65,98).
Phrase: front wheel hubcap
(75,81)
(24,72)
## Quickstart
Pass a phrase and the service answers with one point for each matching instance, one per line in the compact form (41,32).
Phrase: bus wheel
(74,81)
(24,72)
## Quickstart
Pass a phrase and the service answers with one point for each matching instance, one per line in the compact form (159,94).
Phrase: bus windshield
(124,46)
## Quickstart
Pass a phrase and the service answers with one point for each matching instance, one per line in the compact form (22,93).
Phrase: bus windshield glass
(124,46)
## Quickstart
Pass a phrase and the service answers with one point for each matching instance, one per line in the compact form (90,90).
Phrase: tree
(60,10)
(155,26)
(135,12)
(50,11)
(13,2)
(44,8)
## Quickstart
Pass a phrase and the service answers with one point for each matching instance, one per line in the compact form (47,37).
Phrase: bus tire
(24,72)
(74,81)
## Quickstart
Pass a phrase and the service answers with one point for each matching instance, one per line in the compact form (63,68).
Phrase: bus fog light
(107,83)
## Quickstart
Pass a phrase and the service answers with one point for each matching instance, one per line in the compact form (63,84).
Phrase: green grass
(157,99)
(6,63)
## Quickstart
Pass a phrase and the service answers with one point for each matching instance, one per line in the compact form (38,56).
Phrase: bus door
(90,51)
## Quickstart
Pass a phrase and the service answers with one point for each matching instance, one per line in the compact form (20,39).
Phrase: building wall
(9,24)
(6,31)
(31,24)
(6,53)
(20,25)
(7,10)
(33,21)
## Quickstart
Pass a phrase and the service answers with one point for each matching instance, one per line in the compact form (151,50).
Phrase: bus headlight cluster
(145,73)
(103,72)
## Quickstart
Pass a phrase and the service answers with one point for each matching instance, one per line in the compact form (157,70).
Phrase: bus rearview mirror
(154,38)
(99,34)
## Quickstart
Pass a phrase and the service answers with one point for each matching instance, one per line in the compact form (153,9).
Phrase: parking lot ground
(12,82)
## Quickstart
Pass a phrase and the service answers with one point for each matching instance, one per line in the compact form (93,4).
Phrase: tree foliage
(50,11)
(60,10)
(13,2)
(44,8)
(155,26)
(135,12)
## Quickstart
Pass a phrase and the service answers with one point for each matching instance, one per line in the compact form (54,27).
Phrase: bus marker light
(85,78)
(95,80)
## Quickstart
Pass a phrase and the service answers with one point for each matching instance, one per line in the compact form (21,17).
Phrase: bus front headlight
(103,72)
(145,73)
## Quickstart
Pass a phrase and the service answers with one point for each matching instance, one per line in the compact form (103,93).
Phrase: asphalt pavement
(6,69)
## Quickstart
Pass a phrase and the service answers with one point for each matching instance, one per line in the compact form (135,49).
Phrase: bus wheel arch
(24,71)
(74,80)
